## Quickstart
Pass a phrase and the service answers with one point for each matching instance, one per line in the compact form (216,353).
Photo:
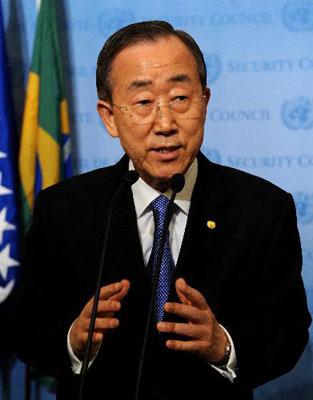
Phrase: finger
(181,296)
(193,295)
(190,313)
(114,291)
(110,290)
(191,346)
(108,306)
(123,292)
(102,324)
(104,306)
(97,337)
(188,330)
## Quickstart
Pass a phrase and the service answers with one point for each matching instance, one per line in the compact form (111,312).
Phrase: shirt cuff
(76,363)
(228,370)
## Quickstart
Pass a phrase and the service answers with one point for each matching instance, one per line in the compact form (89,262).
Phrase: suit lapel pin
(211,224)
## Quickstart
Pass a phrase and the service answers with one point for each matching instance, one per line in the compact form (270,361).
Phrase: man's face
(158,109)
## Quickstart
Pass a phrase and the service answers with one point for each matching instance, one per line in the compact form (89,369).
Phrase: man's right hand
(109,302)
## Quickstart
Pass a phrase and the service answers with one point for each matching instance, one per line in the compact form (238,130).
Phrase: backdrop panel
(260,119)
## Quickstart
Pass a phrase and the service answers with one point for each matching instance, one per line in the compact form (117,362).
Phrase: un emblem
(304,206)
(297,113)
(298,16)
(213,155)
(213,67)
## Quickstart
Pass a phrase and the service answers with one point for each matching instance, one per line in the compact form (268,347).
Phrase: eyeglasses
(181,107)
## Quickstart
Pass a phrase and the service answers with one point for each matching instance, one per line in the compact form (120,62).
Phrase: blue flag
(9,235)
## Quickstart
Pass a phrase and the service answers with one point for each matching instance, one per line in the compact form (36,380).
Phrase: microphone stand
(130,178)
(177,184)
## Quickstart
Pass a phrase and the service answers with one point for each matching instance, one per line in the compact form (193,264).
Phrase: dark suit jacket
(248,268)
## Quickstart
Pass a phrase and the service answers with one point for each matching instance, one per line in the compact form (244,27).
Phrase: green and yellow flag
(45,141)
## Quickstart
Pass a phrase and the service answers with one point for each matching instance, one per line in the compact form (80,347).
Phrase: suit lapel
(198,261)
(127,254)
(124,259)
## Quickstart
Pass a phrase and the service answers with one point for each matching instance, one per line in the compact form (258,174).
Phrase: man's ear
(207,95)
(105,110)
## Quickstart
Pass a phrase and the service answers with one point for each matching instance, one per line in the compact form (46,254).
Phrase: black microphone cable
(130,178)
(177,184)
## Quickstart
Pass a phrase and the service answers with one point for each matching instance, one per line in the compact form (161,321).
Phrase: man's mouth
(166,153)
(166,150)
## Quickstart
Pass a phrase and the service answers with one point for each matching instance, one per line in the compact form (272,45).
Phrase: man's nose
(164,122)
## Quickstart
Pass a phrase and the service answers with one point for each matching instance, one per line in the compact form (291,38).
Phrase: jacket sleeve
(271,339)
(40,325)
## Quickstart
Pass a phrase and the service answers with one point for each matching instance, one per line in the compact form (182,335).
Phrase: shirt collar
(144,194)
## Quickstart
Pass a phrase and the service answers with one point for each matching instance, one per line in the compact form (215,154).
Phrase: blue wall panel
(260,119)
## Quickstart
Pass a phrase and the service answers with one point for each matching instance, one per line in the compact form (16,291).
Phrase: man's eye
(180,101)
(180,98)
(143,102)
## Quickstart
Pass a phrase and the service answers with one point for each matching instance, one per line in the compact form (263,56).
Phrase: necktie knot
(159,207)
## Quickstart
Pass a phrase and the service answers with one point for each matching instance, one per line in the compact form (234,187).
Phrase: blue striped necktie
(159,207)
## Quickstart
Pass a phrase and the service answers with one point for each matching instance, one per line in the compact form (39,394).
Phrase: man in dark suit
(236,313)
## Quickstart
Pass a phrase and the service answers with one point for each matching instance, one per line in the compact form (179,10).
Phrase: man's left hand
(205,337)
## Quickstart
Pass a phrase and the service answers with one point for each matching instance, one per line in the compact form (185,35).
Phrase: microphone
(177,184)
(131,177)
(128,179)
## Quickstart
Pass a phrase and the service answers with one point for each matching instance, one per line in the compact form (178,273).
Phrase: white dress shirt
(143,195)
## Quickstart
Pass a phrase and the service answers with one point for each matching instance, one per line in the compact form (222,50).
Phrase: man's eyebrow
(138,84)
(179,78)
(144,82)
